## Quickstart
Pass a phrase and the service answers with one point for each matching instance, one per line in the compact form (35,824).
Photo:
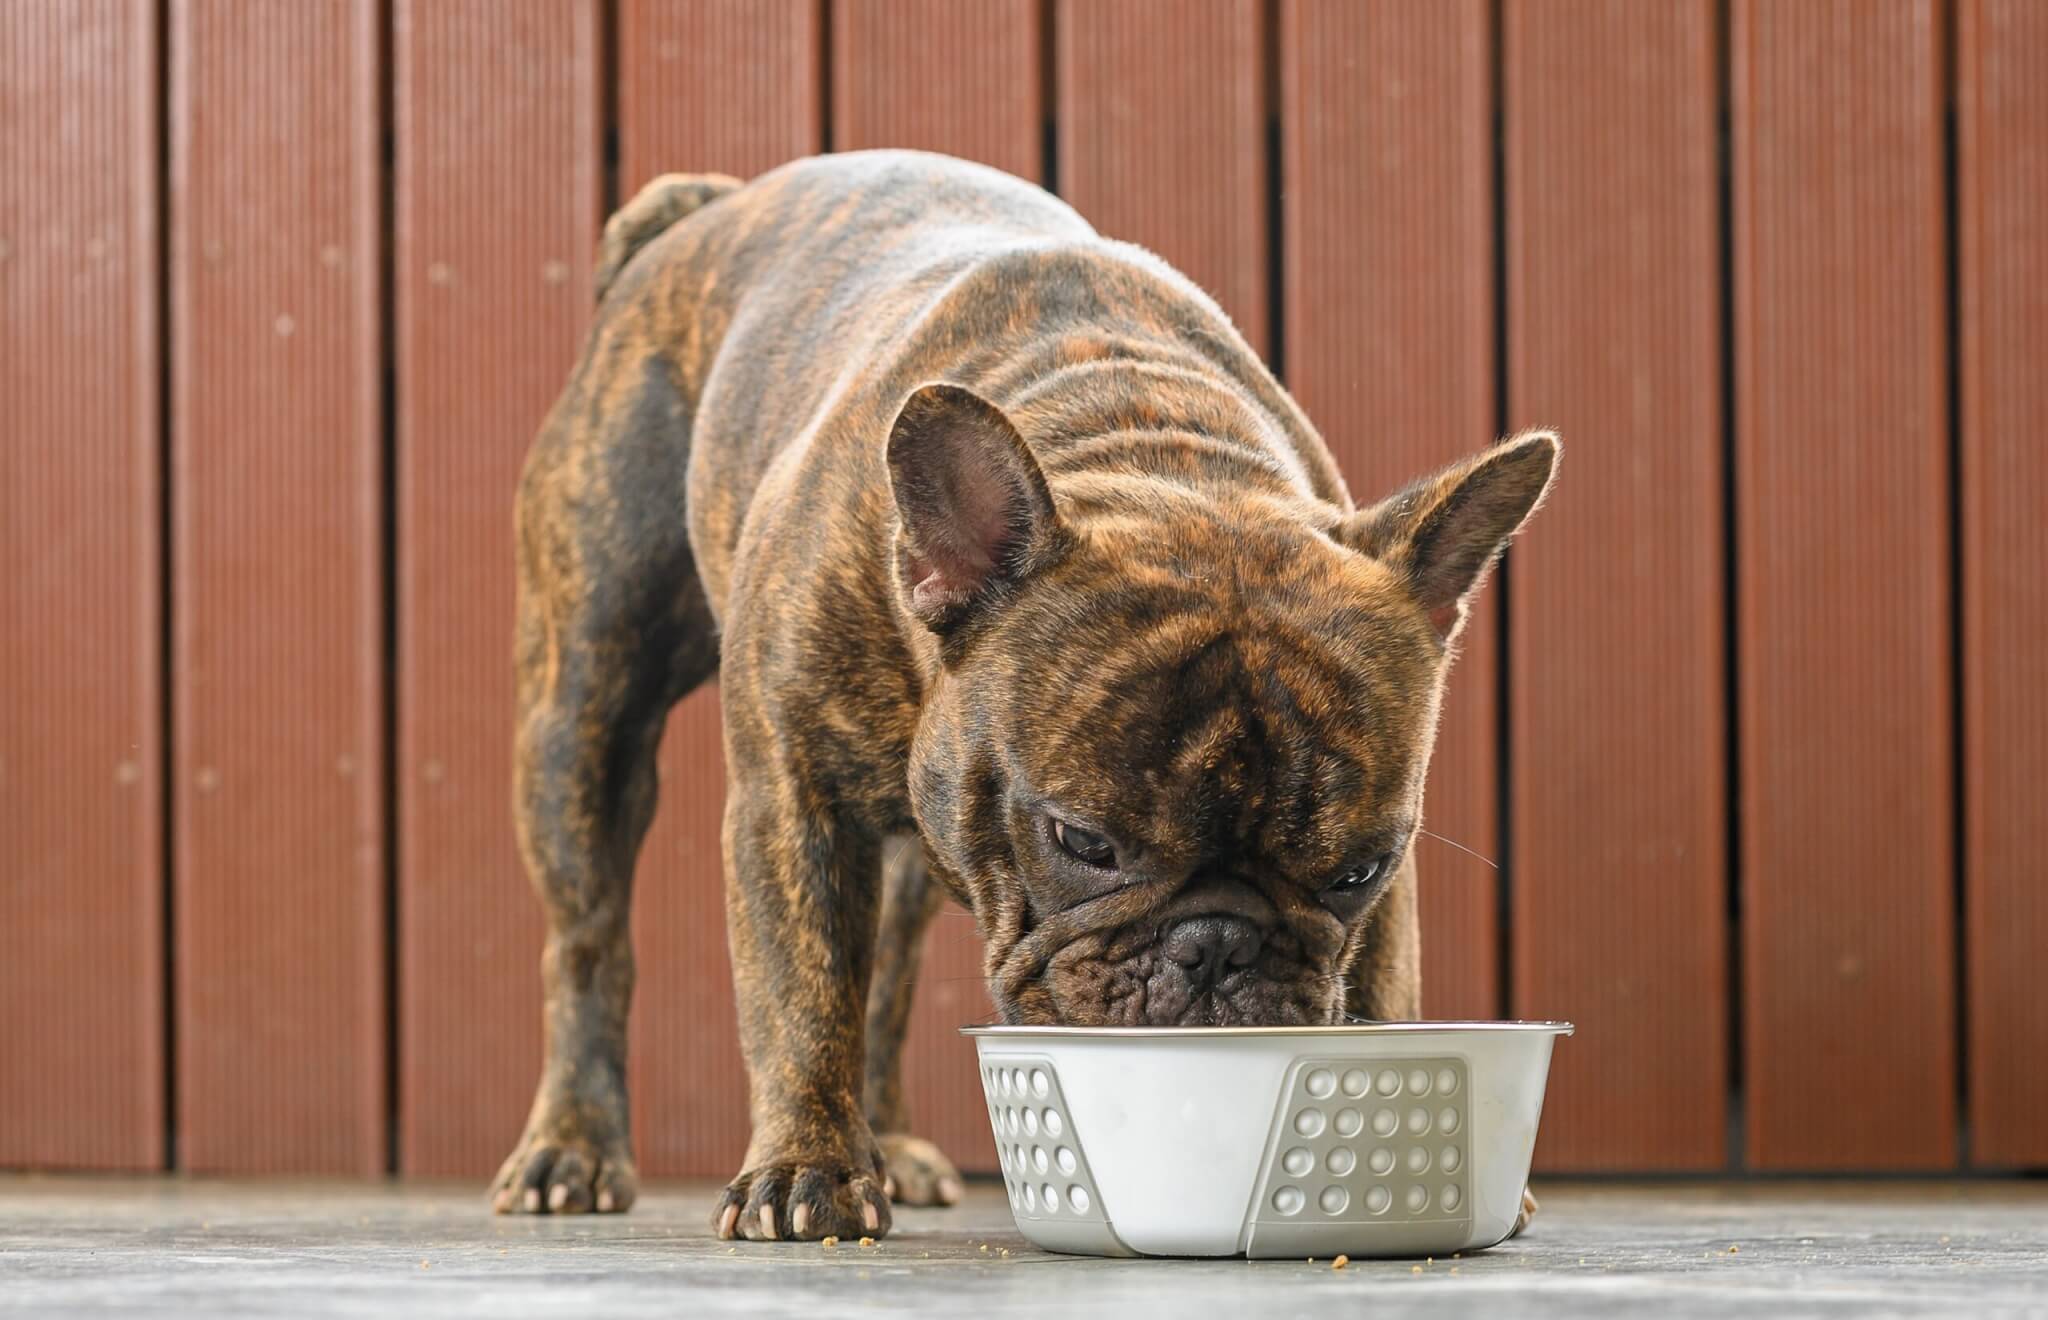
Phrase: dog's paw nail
(889,1186)
(870,1217)
(533,1200)
(605,1202)
(800,1219)
(950,1191)
(558,1196)
(727,1220)
(768,1222)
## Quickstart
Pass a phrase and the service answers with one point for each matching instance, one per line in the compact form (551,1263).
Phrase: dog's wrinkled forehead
(1226,694)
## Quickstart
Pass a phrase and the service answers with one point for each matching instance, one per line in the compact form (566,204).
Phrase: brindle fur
(978,517)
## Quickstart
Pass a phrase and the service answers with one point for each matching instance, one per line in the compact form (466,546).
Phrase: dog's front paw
(559,1169)
(918,1172)
(803,1201)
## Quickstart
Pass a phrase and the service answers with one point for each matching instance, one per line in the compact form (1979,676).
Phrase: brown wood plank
(277,516)
(492,101)
(81,785)
(1162,137)
(727,85)
(1842,497)
(938,75)
(704,85)
(1617,623)
(1387,153)
(2002,109)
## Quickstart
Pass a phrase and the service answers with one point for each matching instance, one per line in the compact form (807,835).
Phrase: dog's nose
(1210,946)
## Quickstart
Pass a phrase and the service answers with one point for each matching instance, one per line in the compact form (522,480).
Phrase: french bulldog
(1025,584)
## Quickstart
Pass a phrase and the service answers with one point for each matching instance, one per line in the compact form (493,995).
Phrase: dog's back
(802,308)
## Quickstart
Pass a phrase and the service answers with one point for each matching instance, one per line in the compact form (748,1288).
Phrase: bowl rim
(1212,1033)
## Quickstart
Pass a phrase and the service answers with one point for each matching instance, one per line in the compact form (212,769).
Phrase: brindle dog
(999,536)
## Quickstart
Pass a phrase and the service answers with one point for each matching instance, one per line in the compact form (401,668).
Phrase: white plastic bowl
(1395,1139)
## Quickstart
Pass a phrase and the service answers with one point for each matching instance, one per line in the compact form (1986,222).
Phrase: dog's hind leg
(613,628)
(918,1171)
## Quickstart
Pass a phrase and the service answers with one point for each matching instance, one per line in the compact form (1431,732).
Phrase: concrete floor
(181,1247)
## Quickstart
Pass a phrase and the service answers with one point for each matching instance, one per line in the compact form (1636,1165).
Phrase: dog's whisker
(1459,846)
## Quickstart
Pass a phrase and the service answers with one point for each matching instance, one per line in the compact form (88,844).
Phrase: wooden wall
(1752,725)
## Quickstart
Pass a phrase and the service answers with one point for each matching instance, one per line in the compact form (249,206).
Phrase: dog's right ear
(976,515)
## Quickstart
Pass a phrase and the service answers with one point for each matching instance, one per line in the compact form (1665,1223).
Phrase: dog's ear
(1442,533)
(976,515)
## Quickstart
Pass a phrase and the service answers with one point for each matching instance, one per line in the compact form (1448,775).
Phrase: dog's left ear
(977,517)
(1444,532)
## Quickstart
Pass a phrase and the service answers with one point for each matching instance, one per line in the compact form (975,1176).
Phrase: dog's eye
(1360,877)
(1082,846)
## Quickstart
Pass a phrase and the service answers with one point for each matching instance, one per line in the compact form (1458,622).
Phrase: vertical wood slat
(277,518)
(1162,137)
(1387,133)
(499,133)
(965,80)
(81,907)
(1843,552)
(728,85)
(941,76)
(2002,112)
(1620,707)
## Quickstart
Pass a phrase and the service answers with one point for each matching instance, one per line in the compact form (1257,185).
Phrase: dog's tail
(665,200)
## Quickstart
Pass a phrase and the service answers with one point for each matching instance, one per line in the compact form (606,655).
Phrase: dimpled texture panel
(1369,1157)
(1052,1192)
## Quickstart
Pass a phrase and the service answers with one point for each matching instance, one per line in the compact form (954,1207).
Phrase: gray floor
(179,1247)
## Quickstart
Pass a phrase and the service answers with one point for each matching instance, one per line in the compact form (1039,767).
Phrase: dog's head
(1176,746)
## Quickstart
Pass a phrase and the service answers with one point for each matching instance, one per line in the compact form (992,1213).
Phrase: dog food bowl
(1393,1139)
